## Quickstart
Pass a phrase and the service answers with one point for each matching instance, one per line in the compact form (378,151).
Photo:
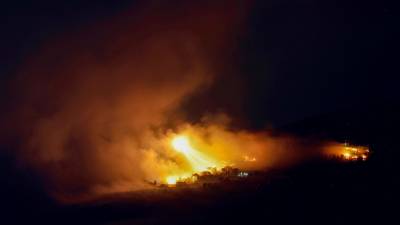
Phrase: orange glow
(249,159)
(348,152)
(355,153)
(198,161)
(346,155)
(195,149)
(181,144)
(184,155)
(171,180)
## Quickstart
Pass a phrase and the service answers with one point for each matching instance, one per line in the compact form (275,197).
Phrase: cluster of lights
(172,180)
(352,153)
(243,174)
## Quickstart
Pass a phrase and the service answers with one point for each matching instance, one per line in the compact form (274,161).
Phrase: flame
(349,152)
(172,180)
(198,161)
(181,144)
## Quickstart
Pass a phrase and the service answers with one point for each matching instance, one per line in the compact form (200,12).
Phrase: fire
(355,153)
(181,144)
(193,152)
(172,180)
(198,161)
(346,155)
(349,152)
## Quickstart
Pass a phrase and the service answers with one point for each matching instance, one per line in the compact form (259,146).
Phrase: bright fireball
(181,144)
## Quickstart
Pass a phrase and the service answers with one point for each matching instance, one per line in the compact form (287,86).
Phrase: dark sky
(310,57)
(297,58)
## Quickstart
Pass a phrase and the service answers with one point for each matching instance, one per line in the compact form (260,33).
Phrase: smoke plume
(94,109)
(84,105)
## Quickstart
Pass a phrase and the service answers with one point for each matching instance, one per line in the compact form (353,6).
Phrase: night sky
(295,59)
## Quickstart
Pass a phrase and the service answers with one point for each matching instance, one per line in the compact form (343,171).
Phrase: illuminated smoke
(94,111)
(87,106)
(212,144)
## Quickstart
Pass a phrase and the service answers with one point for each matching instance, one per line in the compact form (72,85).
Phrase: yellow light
(346,155)
(198,160)
(171,180)
(249,159)
(181,144)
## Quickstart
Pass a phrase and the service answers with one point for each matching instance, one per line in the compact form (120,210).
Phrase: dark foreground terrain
(317,192)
